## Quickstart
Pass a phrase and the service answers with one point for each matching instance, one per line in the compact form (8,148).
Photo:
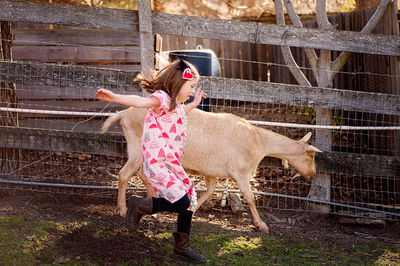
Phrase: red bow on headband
(187,74)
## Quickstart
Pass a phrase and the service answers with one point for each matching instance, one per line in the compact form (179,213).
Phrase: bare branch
(322,18)
(340,61)
(287,54)
(311,55)
(280,17)
(325,75)
(292,14)
(376,17)
(373,21)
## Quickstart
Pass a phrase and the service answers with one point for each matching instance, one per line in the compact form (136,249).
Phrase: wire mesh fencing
(52,140)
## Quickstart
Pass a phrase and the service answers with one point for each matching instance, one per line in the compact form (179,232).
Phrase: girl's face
(187,90)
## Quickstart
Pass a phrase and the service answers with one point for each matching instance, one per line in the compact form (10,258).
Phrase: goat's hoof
(264,228)
(122,212)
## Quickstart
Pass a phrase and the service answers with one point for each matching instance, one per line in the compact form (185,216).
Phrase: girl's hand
(198,95)
(105,95)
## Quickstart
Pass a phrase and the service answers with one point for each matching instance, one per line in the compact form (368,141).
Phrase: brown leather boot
(183,250)
(137,207)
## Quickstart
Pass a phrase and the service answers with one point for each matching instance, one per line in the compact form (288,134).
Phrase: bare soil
(100,210)
(126,245)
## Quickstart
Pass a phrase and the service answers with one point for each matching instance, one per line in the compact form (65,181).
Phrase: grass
(28,240)
(23,238)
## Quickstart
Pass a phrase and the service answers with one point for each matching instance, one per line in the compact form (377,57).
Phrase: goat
(218,145)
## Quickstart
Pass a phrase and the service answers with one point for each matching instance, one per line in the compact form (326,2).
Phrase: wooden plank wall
(45,43)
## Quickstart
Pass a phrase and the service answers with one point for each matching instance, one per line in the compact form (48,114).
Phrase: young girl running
(163,143)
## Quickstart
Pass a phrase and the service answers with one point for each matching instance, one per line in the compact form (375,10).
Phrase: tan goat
(218,145)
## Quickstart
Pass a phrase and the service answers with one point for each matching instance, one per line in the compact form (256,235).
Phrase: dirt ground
(68,208)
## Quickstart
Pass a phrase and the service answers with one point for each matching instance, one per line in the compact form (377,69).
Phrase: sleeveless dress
(163,142)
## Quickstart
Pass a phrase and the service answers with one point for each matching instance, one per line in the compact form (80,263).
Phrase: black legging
(180,207)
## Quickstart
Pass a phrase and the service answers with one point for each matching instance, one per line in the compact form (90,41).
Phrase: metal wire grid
(80,172)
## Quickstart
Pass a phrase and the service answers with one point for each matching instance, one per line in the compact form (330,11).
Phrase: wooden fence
(363,72)
(113,58)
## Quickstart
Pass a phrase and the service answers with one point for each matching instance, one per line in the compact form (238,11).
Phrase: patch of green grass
(389,257)
(224,247)
(26,240)
(21,237)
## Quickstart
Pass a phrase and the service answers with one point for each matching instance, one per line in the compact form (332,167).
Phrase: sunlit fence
(51,122)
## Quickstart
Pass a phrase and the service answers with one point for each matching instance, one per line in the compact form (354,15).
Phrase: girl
(163,141)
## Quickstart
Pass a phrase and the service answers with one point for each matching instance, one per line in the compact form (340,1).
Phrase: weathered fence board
(276,35)
(218,88)
(267,92)
(114,145)
(92,17)
(78,106)
(43,92)
(75,125)
(49,54)
(69,15)
(68,36)
(350,164)
(62,76)
(64,141)
(130,67)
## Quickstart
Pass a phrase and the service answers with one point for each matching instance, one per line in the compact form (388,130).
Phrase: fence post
(146,36)
(395,71)
(9,158)
(321,185)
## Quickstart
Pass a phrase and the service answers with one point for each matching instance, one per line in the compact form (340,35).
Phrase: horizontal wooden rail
(76,36)
(115,145)
(276,35)
(64,76)
(61,76)
(63,141)
(279,93)
(69,15)
(350,164)
(53,54)
(92,17)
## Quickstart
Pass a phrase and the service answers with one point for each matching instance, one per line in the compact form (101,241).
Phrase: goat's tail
(111,121)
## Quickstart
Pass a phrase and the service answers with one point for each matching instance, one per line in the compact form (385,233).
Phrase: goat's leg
(244,187)
(149,188)
(211,184)
(126,172)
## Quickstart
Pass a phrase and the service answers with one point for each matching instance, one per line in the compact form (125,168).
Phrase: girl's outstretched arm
(128,100)
(198,95)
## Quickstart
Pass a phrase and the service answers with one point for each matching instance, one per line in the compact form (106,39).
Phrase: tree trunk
(321,185)
(9,158)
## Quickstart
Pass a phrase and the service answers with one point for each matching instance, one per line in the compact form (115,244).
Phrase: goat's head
(304,160)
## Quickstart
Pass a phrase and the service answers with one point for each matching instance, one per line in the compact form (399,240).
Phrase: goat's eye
(310,154)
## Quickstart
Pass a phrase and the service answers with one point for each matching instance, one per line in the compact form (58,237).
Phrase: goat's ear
(285,163)
(311,148)
(307,137)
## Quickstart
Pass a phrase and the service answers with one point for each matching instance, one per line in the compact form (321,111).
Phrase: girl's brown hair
(168,79)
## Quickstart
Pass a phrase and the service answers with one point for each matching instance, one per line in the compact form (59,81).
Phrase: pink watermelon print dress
(163,142)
